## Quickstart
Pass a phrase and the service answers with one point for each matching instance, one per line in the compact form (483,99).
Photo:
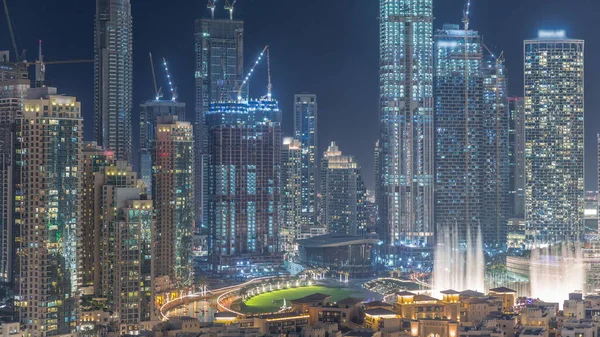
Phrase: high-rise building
(459,137)
(149,111)
(244,167)
(13,89)
(496,183)
(407,140)
(113,77)
(94,158)
(305,131)
(291,197)
(173,195)
(344,205)
(219,73)
(48,204)
(516,152)
(554,136)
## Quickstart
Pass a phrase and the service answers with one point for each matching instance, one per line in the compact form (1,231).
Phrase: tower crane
(40,65)
(211,5)
(173,89)
(247,78)
(157,91)
(10,30)
(229,6)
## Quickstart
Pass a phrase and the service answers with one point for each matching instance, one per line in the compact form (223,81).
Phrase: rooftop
(502,290)
(336,240)
(379,312)
(374,304)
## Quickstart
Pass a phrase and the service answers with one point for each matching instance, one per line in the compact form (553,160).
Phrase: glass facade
(554,137)
(48,212)
(516,152)
(113,77)
(305,131)
(407,140)
(244,168)
(291,201)
(460,142)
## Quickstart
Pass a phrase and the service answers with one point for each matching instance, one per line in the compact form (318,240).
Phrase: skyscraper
(344,205)
(113,77)
(48,212)
(554,136)
(305,131)
(516,151)
(173,195)
(406,92)
(244,167)
(149,112)
(13,89)
(219,72)
(496,183)
(291,197)
(459,137)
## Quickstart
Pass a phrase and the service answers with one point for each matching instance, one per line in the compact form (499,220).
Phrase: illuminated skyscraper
(459,111)
(149,112)
(407,141)
(344,204)
(244,167)
(305,131)
(219,72)
(173,195)
(291,197)
(516,150)
(554,136)
(113,76)
(48,211)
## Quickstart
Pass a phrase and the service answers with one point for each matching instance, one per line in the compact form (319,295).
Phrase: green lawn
(264,302)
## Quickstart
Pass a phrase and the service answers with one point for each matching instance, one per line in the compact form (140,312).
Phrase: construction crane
(247,78)
(157,91)
(466,14)
(173,89)
(212,5)
(10,30)
(40,65)
(229,6)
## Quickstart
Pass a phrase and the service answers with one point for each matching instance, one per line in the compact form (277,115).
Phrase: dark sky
(329,48)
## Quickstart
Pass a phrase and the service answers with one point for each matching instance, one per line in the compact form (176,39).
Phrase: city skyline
(340,118)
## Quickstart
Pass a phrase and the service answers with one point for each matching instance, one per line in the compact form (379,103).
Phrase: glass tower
(459,109)
(48,211)
(291,201)
(244,167)
(406,102)
(305,131)
(219,46)
(113,77)
(554,137)
(516,152)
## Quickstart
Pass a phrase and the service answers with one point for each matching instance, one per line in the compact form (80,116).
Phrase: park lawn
(264,302)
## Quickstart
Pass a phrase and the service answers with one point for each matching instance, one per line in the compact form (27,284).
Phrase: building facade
(219,48)
(149,112)
(49,133)
(344,205)
(244,167)
(407,140)
(516,152)
(554,136)
(173,195)
(459,137)
(291,200)
(113,77)
(305,131)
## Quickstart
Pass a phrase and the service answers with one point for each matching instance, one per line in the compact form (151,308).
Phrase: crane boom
(173,89)
(245,82)
(229,6)
(157,94)
(10,29)
(211,5)
(466,13)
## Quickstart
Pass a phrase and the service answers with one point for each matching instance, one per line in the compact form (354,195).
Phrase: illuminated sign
(552,34)
(447,44)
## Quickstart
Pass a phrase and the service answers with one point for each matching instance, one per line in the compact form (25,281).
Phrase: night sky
(329,48)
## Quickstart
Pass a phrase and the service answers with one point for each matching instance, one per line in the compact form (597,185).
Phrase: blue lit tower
(554,136)
(219,52)
(244,168)
(406,98)
(459,152)
(305,131)
(113,77)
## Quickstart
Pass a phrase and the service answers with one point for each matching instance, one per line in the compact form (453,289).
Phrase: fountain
(458,264)
(555,271)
